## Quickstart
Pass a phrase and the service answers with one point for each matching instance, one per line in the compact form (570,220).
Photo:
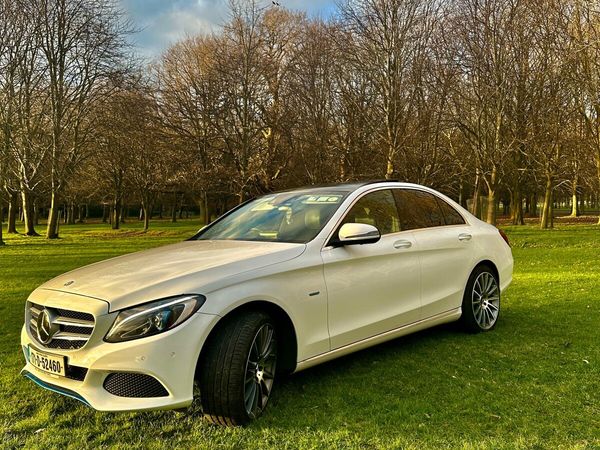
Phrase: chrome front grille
(70,329)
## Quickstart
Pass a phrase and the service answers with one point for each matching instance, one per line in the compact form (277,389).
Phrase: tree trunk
(506,207)
(546,221)
(146,208)
(71,214)
(28,213)
(491,207)
(491,203)
(52,226)
(476,206)
(13,208)
(36,216)
(104,213)
(174,209)
(575,212)
(205,213)
(534,205)
(389,170)
(146,220)
(81,214)
(463,193)
(574,198)
(115,220)
(598,169)
(1,220)
(517,208)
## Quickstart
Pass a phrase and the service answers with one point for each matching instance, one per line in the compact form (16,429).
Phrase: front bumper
(168,357)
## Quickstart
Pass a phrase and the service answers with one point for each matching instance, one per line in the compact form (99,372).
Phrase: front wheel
(237,371)
(481,301)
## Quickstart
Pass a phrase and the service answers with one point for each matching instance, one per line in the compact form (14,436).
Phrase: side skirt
(445,317)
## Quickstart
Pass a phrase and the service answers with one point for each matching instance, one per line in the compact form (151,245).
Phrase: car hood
(182,268)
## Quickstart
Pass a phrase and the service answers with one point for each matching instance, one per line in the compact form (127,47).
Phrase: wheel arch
(288,339)
(491,265)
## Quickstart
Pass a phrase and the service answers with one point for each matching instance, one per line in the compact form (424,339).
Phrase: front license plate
(47,363)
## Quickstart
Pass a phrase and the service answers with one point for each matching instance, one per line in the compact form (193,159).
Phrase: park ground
(532,383)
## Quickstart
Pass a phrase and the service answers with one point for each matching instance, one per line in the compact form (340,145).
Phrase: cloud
(163,22)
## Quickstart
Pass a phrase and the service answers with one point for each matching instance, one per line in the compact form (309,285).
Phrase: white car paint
(339,299)
(170,270)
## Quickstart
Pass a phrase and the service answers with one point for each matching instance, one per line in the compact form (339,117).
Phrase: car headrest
(312,219)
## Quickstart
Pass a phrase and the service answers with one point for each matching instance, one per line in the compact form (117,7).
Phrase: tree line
(493,102)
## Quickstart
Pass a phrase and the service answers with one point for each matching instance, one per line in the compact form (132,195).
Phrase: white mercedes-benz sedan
(276,285)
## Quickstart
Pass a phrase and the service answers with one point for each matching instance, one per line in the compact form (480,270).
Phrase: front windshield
(285,217)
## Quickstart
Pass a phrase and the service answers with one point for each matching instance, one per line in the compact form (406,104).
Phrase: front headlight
(153,318)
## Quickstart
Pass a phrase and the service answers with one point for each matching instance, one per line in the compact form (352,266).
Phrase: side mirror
(358,233)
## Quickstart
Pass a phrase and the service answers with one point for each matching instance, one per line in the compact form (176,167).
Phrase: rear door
(372,288)
(444,240)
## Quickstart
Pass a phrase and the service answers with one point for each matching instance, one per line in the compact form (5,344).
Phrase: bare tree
(82,43)
(239,118)
(153,163)
(480,39)
(187,95)
(311,91)
(23,108)
(390,40)
(585,32)
(114,139)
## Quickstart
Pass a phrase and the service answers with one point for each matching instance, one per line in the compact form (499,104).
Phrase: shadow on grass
(379,392)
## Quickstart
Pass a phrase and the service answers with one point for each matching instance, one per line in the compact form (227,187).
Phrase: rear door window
(417,209)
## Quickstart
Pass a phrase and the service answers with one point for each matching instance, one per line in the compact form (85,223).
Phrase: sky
(163,22)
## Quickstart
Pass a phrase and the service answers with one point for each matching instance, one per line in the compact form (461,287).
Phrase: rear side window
(378,209)
(451,216)
(417,209)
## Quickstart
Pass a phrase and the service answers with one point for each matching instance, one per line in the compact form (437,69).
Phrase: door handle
(464,237)
(402,244)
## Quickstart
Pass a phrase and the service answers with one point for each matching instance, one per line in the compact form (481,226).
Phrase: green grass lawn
(534,382)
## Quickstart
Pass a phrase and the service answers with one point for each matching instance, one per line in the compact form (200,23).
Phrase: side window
(451,216)
(378,209)
(417,209)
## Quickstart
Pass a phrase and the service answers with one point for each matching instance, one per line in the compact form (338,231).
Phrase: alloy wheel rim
(485,300)
(260,370)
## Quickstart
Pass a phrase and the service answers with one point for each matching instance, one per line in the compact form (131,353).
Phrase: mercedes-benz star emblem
(46,328)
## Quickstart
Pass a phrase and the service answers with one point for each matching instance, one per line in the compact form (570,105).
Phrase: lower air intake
(137,385)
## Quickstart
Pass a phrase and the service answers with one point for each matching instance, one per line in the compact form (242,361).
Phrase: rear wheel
(237,371)
(481,300)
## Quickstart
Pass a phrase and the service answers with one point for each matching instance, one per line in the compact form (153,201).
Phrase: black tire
(227,371)
(481,300)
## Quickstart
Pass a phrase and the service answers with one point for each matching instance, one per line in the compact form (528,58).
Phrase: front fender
(299,291)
